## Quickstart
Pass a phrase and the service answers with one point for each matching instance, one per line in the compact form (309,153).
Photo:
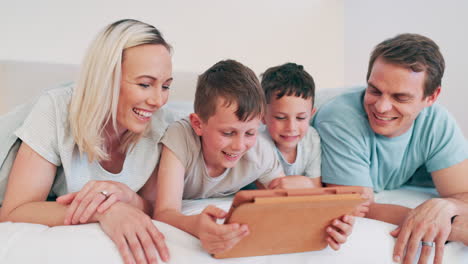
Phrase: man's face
(225,139)
(394,98)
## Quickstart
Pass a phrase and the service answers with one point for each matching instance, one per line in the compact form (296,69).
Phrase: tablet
(287,221)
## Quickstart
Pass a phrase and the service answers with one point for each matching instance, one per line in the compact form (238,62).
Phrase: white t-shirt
(308,157)
(46,130)
(259,162)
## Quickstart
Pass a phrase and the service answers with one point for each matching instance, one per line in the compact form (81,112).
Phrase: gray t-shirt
(307,161)
(259,162)
(46,130)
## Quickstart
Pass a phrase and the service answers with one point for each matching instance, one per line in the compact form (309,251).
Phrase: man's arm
(452,184)
(431,221)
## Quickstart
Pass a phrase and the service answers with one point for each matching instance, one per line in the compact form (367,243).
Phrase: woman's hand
(339,231)
(96,196)
(217,238)
(137,238)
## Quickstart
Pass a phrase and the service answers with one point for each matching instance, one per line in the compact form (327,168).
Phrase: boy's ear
(313,111)
(196,123)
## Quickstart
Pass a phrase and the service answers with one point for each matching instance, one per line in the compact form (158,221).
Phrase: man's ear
(197,123)
(430,100)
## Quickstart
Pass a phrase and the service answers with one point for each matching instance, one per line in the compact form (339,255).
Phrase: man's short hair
(234,83)
(287,80)
(416,52)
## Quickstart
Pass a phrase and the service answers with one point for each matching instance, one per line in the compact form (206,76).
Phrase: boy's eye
(228,133)
(250,134)
(144,85)
(300,118)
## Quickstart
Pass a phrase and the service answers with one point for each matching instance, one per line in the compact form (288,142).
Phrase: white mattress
(369,243)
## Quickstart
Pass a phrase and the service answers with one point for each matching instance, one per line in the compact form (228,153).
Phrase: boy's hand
(293,182)
(362,209)
(217,238)
(339,231)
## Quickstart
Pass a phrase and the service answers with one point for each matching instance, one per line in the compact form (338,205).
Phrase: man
(393,132)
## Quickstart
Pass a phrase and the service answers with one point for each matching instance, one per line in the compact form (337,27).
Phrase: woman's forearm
(45,213)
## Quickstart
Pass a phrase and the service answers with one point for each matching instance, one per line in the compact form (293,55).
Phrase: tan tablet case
(288,221)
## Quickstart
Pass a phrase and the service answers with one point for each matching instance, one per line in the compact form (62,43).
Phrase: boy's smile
(225,139)
(287,120)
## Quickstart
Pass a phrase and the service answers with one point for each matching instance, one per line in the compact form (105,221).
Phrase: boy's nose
(237,143)
(291,125)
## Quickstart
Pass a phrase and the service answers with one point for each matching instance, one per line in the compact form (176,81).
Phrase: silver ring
(105,193)
(430,244)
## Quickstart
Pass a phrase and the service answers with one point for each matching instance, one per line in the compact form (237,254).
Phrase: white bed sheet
(369,243)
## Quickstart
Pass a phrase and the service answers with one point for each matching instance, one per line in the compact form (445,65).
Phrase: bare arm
(452,185)
(29,184)
(215,238)
(168,193)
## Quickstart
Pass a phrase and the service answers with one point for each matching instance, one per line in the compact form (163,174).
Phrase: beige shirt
(260,162)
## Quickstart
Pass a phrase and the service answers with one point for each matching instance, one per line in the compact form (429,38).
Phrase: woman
(96,143)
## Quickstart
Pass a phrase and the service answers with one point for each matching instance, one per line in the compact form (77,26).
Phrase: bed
(369,242)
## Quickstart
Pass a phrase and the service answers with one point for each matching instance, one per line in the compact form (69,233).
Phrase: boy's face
(224,138)
(287,120)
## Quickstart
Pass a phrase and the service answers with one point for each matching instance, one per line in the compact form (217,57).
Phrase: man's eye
(374,91)
(403,99)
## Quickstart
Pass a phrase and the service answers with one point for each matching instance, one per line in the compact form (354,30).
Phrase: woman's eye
(166,87)
(250,134)
(280,117)
(144,85)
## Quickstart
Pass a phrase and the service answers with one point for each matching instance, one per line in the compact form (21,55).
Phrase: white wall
(368,22)
(260,33)
(331,38)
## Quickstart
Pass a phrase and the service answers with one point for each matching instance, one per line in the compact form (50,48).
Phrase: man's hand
(429,222)
(217,238)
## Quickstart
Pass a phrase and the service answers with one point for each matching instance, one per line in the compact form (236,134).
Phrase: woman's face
(144,86)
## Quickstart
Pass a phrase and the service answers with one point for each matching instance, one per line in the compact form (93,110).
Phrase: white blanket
(369,243)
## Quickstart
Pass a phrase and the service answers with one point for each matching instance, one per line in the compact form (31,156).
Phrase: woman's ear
(197,123)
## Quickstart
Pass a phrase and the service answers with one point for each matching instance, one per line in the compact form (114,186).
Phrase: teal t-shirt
(352,154)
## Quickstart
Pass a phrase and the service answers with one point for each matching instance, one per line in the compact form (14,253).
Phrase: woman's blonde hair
(96,94)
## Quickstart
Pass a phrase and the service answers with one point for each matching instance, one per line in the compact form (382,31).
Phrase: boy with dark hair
(290,92)
(215,153)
